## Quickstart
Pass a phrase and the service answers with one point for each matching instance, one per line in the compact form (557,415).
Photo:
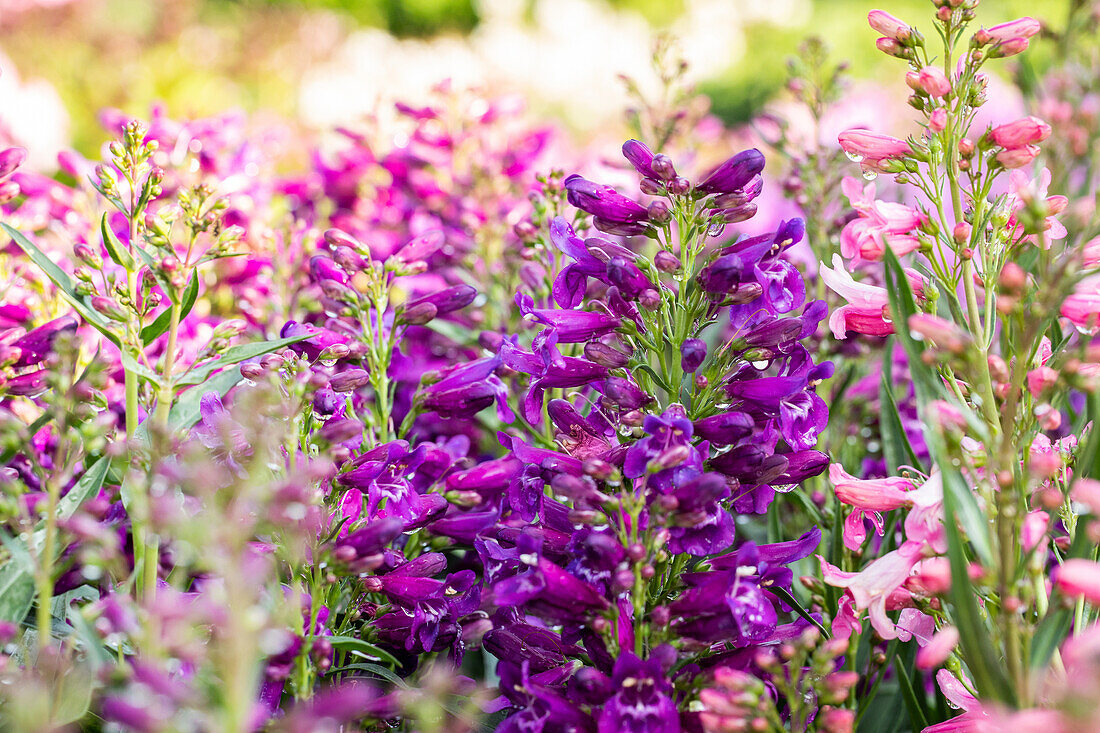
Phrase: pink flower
(931,577)
(1040,380)
(872,147)
(914,624)
(933,81)
(937,121)
(1017,157)
(1027,191)
(874,585)
(1090,254)
(924,523)
(866,311)
(869,497)
(1079,578)
(1082,308)
(938,649)
(1087,491)
(880,495)
(888,25)
(960,697)
(1021,133)
(880,223)
(1025,27)
(1034,529)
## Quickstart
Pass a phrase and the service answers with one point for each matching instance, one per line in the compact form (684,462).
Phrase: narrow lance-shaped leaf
(64,284)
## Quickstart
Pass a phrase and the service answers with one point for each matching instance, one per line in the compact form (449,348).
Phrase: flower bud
(667,262)
(933,81)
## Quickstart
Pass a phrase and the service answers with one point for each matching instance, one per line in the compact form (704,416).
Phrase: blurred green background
(204,56)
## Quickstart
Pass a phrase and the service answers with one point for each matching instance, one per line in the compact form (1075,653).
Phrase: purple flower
(571,326)
(643,699)
(733,174)
(692,354)
(603,202)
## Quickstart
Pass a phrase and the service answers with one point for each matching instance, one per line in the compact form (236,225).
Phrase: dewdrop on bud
(334,352)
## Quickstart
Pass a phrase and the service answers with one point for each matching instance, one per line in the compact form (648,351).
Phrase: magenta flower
(881,224)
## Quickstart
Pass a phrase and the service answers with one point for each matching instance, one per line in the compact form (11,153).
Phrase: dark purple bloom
(733,174)
(692,354)
(571,326)
(35,345)
(603,201)
(643,699)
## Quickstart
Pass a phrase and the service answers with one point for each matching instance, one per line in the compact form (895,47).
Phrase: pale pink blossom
(1020,133)
(1017,157)
(1025,27)
(872,146)
(874,585)
(937,121)
(960,698)
(1079,578)
(938,649)
(1041,379)
(1087,491)
(915,625)
(933,81)
(1082,307)
(881,494)
(888,25)
(866,311)
(880,224)
(1026,191)
(1034,530)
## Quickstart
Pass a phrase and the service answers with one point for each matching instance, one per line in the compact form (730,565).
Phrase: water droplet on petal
(869,175)
(854,157)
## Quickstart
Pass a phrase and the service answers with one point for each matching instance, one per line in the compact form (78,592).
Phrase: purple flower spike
(643,699)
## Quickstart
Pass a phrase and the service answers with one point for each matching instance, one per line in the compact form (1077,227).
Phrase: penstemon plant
(993,319)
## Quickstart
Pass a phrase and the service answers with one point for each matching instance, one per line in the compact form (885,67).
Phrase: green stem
(44,575)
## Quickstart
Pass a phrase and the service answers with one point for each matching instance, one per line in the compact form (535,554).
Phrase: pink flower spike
(1025,27)
(1022,132)
(888,25)
(1079,578)
(871,146)
(880,495)
(874,585)
(933,81)
(939,649)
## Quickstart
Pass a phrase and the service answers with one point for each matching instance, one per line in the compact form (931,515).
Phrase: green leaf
(131,364)
(84,489)
(912,695)
(159,326)
(17,575)
(236,354)
(64,284)
(185,412)
(974,638)
(896,448)
(360,648)
(386,674)
(115,248)
(791,601)
(16,582)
